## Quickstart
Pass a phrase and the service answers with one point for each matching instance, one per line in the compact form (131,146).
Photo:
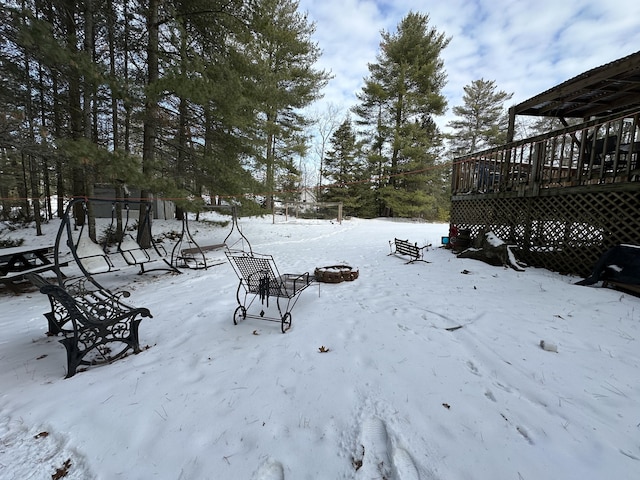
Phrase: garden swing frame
(129,247)
(91,257)
(194,256)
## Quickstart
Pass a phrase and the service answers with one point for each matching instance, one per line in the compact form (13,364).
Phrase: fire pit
(335,274)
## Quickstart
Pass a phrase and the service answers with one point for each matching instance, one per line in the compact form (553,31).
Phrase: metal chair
(260,280)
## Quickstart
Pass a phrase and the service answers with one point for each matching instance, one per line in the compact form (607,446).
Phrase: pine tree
(283,56)
(204,137)
(346,172)
(397,104)
(482,119)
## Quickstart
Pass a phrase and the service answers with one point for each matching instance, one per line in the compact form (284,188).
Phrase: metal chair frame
(260,280)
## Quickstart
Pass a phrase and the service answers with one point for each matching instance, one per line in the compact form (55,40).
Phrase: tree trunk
(183,117)
(150,121)
(490,249)
(112,72)
(270,160)
(44,111)
(33,170)
(127,101)
(75,105)
(87,90)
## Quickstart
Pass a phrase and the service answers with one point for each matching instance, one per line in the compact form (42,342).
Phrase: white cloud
(525,47)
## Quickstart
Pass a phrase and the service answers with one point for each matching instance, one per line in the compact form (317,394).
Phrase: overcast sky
(525,46)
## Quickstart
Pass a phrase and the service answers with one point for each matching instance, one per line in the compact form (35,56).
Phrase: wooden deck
(599,152)
(563,197)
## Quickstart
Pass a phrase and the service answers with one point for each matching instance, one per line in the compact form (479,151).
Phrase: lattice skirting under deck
(564,232)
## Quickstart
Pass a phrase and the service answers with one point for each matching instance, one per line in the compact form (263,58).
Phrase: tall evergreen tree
(214,97)
(347,172)
(397,104)
(482,119)
(283,56)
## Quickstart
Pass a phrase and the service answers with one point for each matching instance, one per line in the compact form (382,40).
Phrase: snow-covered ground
(398,395)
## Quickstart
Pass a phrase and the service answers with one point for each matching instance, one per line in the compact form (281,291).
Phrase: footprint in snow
(270,470)
(376,460)
(404,466)
(489,394)
(374,440)
(472,368)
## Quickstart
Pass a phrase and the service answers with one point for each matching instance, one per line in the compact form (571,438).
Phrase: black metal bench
(260,279)
(404,247)
(98,327)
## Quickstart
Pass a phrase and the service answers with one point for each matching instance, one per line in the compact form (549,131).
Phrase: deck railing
(600,151)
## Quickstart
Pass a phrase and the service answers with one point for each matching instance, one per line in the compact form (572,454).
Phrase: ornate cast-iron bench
(404,247)
(260,279)
(98,327)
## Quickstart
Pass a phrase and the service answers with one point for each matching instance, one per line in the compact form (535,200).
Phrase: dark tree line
(181,98)
(175,97)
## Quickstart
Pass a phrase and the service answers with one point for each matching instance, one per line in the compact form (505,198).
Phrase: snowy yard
(399,394)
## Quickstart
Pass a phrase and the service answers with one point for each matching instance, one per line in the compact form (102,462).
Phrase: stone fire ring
(335,274)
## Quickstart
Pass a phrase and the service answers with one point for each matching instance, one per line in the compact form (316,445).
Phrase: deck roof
(605,90)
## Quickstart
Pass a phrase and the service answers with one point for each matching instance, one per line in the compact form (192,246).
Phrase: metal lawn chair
(260,280)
